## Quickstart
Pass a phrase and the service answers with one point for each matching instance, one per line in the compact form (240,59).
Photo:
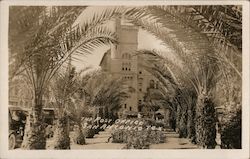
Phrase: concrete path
(174,142)
(100,142)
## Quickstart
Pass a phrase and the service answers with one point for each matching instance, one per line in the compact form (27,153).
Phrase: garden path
(174,142)
(100,142)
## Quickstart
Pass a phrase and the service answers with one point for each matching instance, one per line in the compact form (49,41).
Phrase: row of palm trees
(80,94)
(47,41)
(207,57)
(206,41)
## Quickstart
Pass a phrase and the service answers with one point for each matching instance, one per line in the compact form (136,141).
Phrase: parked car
(17,120)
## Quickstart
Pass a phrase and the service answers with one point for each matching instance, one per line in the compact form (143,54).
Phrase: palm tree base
(34,137)
(61,136)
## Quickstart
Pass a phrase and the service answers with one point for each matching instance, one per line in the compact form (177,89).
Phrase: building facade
(122,61)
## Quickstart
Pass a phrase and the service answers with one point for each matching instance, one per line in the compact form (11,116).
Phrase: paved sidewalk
(100,142)
(174,142)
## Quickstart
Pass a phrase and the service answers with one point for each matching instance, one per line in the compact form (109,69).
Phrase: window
(139,106)
(125,106)
(130,108)
(140,80)
(139,102)
(140,72)
(151,84)
(126,66)
(129,66)
(126,56)
(140,89)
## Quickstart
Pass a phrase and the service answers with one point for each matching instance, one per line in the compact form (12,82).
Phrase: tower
(123,61)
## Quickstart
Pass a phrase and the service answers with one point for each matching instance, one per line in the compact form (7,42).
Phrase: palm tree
(50,42)
(67,91)
(205,39)
(175,91)
(202,32)
(106,95)
(161,69)
(191,30)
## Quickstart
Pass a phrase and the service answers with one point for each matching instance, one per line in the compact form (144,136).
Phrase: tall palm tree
(211,35)
(191,30)
(66,84)
(175,90)
(165,75)
(50,42)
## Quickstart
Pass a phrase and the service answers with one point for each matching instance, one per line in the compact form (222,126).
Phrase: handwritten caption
(118,124)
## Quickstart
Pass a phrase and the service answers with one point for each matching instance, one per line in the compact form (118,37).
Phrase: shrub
(231,130)
(138,139)
(89,133)
(79,138)
(119,136)
(135,139)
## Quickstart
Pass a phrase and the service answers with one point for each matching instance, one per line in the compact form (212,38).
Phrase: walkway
(99,142)
(174,142)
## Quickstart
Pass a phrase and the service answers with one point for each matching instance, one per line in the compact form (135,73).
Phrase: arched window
(151,84)
(126,56)
(140,80)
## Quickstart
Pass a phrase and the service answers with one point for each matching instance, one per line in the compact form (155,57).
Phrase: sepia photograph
(125,77)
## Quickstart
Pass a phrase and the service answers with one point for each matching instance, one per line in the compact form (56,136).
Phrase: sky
(145,40)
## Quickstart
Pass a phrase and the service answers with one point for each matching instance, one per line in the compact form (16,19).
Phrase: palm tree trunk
(178,117)
(62,139)
(34,137)
(183,123)
(79,137)
(191,122)
(205,125)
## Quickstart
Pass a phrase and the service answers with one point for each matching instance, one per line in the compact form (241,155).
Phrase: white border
(168,153)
